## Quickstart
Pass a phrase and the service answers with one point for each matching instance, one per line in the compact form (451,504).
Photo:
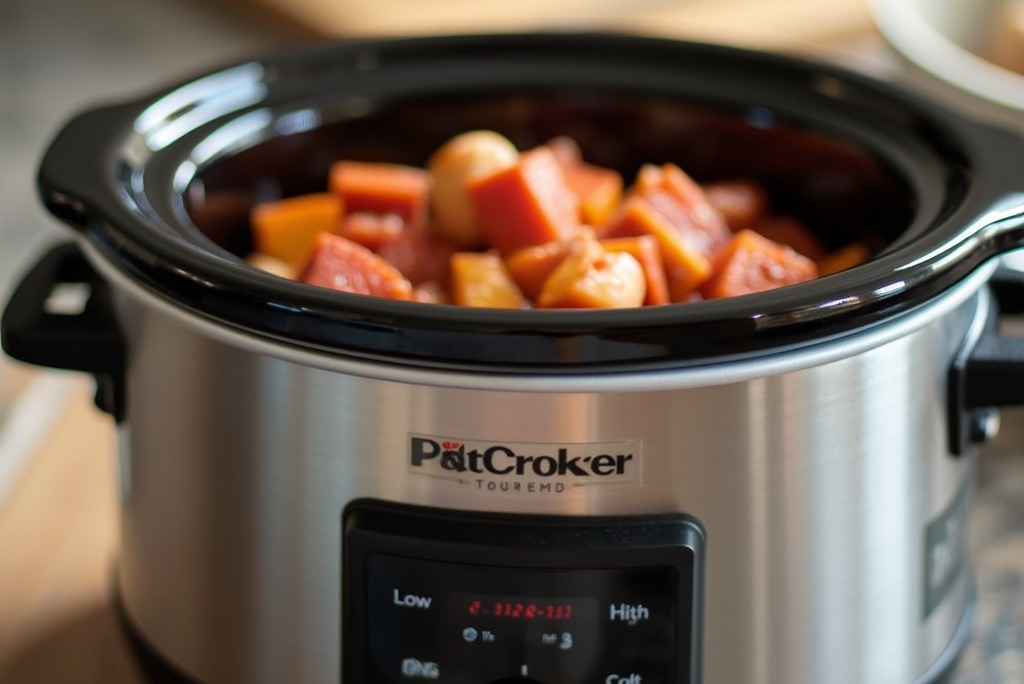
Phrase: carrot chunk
(645,249)
(382,188)
(752,263)
(286,229)
(591,277)
(480,279)
(686,267)
(599,191)
(741,202)
(525,204)
(674,195)
(531,266)
(343,265)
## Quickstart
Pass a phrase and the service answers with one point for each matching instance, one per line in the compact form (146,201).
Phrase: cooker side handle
(61,316)
(989,371)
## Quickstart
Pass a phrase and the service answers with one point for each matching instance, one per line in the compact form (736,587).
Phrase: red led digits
(519,610)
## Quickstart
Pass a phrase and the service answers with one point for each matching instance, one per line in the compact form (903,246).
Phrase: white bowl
(947,40)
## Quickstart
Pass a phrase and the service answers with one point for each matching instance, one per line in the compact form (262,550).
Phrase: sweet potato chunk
(525,204)
(480,279)
(591,277)
(382,189)
(341,264)
(286,229)
(599,191)
(752,263)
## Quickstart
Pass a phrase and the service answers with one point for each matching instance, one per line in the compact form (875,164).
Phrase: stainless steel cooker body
(818,477)
(323,487)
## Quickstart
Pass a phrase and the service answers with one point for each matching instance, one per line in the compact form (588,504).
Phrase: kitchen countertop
(58,501)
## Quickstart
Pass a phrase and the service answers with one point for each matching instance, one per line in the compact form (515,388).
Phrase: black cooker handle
(989,371)
(61,315)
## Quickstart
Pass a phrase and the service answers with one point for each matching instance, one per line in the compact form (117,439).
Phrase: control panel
(473,598)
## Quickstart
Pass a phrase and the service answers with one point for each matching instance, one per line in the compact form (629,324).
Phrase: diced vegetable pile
(489,226)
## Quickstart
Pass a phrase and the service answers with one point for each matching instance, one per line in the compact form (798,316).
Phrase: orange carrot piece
(531,266)
(382,189)
(525,204)
(752,263)
(676,196)
(645,249)
(480,279)
(790,231)
(742,202)
(686,268)
(343,265)
(590,277)
(286,229)
(599,191)
(853,254)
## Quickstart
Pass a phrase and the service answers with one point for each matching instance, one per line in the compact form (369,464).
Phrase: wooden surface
(760,23)
(58,541)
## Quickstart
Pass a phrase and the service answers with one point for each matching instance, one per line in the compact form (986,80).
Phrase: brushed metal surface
(815,485)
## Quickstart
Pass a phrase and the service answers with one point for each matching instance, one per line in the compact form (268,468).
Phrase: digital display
(556,625)
(474,599)
(518,607)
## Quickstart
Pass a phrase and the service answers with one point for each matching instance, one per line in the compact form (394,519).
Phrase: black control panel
(473,598)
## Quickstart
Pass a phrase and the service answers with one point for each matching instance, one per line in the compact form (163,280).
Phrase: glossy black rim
(117,174)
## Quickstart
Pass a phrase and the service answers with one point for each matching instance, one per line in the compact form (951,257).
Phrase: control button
(624,679)
(414,668)
(629,613)
(411,600)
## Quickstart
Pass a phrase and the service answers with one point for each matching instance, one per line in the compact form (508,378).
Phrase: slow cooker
(324,487)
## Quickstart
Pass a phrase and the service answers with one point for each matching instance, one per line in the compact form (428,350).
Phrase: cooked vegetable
(272,265)
(591,277)
(526,204)
(341,264)
(461,159)
(675,196)
(286,229)
(741,202)
(487,226)
(382,189)
(480,279)
(421,257)
(686,267)
(531,266)
(751,263)
(846,257)
(369,229)
(645,249)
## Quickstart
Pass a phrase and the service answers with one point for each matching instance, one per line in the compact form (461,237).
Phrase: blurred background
(58,57)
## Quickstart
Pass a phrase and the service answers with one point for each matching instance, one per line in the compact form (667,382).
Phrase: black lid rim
(946,243)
